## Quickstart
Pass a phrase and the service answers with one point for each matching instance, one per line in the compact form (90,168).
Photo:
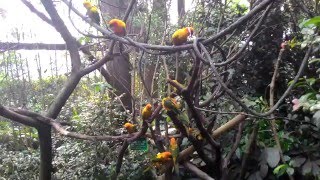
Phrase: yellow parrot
(146,112)
(163,157)
(118,27)
(130,127)
(92,12)
(181,35)
(170,104)
(174,149)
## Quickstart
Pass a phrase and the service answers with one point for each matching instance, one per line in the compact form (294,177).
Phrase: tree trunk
(45,140)
(181,8)
(119,68)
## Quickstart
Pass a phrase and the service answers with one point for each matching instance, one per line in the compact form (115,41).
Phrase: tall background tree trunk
(119,68)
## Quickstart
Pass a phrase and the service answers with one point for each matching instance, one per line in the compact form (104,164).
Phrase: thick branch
(59,25)
(120,157)
(197,171)
(4,46)
(39,119)
(38,13)
(215,134)
(5,112)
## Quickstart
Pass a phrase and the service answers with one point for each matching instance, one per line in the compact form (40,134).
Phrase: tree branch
(4,46)
(59,25)
(197,171)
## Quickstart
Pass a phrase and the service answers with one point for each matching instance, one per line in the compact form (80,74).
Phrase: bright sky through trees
(21,25)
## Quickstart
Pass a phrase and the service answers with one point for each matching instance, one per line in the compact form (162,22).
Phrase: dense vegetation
(247,85)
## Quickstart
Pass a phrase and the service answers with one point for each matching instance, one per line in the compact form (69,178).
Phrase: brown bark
(118,70)
(181,8)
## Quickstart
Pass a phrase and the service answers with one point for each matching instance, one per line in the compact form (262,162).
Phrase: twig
(120,156)
(238,100)
(241,50)
(38,13)
(129,9)
(249,148)
(232,151)
(273,121)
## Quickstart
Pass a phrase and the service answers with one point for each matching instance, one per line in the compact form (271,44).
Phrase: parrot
(162,160)
(174,149)
(163,157)
(146,112)
(130,128)
(92,12)
(181,35)
(118,27)
(170,104)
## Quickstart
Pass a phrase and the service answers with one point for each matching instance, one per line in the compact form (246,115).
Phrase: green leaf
(313,21)
(311,81)
(305,97)
(280,170)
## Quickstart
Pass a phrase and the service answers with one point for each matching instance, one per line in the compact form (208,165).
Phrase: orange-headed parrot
(174,149)
(118,27)
(130,127)
(163,157)
(92,12)
(170,104)
(181,36)
(146,112)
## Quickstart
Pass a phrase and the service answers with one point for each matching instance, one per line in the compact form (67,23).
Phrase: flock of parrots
(179,37)
(119,27)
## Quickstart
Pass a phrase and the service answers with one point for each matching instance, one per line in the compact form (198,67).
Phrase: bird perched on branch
(174,149)
(146,112)
(118,27)
(92,12)
(181,35)
(130,127)
(170,104)
(163,157)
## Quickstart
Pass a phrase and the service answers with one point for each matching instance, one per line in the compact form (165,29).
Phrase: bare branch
(38,118)
(38,13)
(172,49)
(5,112)
(197,171)
(59,25)
(5,46)
(238,100)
